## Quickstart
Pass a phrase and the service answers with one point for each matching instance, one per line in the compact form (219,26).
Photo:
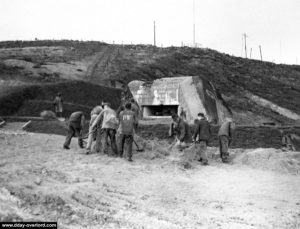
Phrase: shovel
(138,148)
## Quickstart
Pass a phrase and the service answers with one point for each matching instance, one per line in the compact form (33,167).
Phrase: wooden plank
(26,124)
(2,123)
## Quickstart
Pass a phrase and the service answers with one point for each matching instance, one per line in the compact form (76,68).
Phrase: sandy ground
(40,181)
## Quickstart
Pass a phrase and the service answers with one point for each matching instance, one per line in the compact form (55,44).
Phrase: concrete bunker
(159,110)
(185,95)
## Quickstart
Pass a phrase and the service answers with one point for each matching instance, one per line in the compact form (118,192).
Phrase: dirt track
(41,181)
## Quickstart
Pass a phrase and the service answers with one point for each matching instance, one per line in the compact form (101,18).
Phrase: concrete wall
(244,136)
(190,99)
(193,94)
(162,91)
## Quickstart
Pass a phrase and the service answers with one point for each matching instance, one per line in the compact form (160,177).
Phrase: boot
(204,162)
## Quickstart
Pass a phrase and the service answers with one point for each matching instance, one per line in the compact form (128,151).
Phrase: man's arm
(196,131)
(182,131)
(171,130)
(136,122)
(96,121)
(82,122)
(54,101)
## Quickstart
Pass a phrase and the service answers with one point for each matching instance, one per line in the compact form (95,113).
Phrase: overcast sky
(273,24)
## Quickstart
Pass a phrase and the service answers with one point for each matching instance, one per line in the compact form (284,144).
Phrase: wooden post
(260,53)
(245,43)
(26,125)
(2,123)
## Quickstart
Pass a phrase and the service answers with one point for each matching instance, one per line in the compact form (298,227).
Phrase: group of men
(202,135)
(106,127)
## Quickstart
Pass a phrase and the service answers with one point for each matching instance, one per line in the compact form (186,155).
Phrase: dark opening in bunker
(159,110)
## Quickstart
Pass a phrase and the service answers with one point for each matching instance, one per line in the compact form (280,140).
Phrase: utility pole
(245,43)
(154,33)
(260,53)
(250,53)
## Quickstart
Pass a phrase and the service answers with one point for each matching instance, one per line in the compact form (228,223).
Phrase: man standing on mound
(225,137)
(202,131)
(58,105)
(75,128)
(128,122)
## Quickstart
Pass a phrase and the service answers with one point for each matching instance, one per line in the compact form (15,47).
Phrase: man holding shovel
(225,136)
(75,127)
(201,137)
(182,131)
(128,122)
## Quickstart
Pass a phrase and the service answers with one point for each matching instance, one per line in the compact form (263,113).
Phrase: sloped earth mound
(270,159)
(261,158)
(41,181)
(232,76)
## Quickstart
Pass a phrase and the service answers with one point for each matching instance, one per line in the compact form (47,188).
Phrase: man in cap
(201,137)
(75,127)
(182,131)
(108,128)
(225,138)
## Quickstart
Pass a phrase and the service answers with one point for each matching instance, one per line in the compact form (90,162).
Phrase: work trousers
(98,136)
(111,134)
(74,129)
(125,142)
(224,144)
(91,133)
(201,147)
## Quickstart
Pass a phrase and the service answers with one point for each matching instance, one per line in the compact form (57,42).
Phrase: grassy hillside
(117,65)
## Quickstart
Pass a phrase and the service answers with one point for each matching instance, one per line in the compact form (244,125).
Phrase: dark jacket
(202,130)
(77,119)
(183,131)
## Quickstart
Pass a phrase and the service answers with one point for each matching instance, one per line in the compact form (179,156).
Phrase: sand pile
(48,115)
(270,159)
(152,148)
